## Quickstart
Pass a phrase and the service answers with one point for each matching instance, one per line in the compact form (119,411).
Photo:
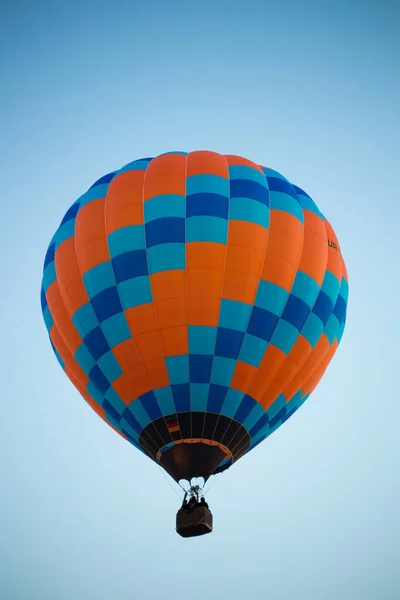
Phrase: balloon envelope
(194,300)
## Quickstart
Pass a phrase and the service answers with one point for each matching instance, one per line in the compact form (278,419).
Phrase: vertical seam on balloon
(186,302)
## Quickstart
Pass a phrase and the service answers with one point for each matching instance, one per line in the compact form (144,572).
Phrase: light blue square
(286,203)
(252,350)
(203,183)
(110,366)
(222,370)
(115,400)
(248,209)
(65,232)
(199,396)
(94,392)
(279,403)
(135,292)
(202,339)
(255,414)
(305,288)
(165,400)
(116,329)
(331,286)
(84,359)
(136,408)
(231,403)
(332,329)
(284,336)
(167,205)
(313,329)
(49,276)
(271,297)
(126,239)
(178,368)
(247,172)
(205,228)
(48,319)
(95,193)
(234,315)
(99,278)
(166,257)
(85,320)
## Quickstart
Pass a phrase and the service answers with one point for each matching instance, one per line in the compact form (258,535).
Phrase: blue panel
(126,239)
(216,398)
(65,232)
(114,399)
(200,368)
(130,264)
(71,213)
(85,320)
(43,300)
(246,209)
(331,286)
(262,323)
(305,288)
(106,304)
(136,165)
(209,204)
(323,307)
(234,315)
(111,412)
(49,258)
(199,396)
(244,188)
(340,309)
(255,415)
(150,405)
(206,229)
(94,392)
(48,319)
(116,329)
(222,370)
(96,343)
(277,406)
(84,359)
(247,173)
(110,366)
(202,339)
(132,421)
(246,406)
(332,329)
(232,402)
(99,278)
(167,205)
(296,312)
(271,297)
(166,257)
(49,275)
(105,179)
(228,343)
(197,184)
(181,394)
(284,336)
(277,184)
(165,231)
(94,193)
(165,400)
(137,410)
(313,329)
(178,368)
(100,381)
(286,204)
(252,350)
(135,292)
(307,203)
(344,290)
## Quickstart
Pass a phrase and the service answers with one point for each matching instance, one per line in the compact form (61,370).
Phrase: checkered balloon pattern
(194,297)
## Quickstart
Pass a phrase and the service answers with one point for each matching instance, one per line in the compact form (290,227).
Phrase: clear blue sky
(309,88)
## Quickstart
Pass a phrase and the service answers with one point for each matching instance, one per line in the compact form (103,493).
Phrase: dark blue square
(262,323)
(110,410)
(200,367)
(165,231)
(96,343)
(150,405)
(49,258)
(340,309)
(97,377)
(216,397)
(207,204)
(181,394)
(245,407)
(106,303)
(280,416)
(323,307)
(130,264)
(71,213)
(132,421)
(276,184)
(105,179)
(296,312)
(259,425)
(229,342)
(43,300)
(245,188)
(300,191)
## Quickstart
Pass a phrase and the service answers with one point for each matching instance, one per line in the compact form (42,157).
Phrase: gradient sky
(311,89)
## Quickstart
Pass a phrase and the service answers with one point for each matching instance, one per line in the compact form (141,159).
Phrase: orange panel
(203,311)
(62,319)
(89,224)
(259,385)
(171,312)
(244,260)
(93,254)
(149,346)
(240,287)
(127,355)
(272,360)
(175,341)
(165,174)
(316,356)
(67,357)
(168,284)
(139,381)
(286,373)
(124,389)
(314,256)
(279,272)
(157,373)
(202,282)
(124,201)
(300,351)
(205,255)
(141,319)
(293,387)
(242,376)
(203,162)
(97,408)
(270,395)
(313,381)
(69,279)
(247,235)
(234,160)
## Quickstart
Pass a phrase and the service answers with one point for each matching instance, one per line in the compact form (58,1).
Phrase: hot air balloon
(194,300)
